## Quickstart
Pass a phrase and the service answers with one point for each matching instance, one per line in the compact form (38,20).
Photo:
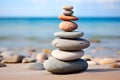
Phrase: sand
(97,72)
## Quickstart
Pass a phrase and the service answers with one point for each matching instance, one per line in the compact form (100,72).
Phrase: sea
(39,32)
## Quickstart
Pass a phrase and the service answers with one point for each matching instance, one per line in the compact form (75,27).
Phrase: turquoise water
(41,30)
(45,27)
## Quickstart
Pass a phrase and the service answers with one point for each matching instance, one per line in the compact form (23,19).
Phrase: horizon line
(57,17)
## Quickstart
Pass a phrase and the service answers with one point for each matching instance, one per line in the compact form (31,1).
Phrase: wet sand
(96,72)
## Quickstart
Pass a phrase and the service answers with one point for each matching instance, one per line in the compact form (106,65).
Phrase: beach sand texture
(96,72)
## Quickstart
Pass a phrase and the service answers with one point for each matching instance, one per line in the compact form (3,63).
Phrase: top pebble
(68,8)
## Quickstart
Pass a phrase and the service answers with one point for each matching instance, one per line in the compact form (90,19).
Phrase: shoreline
(96,72)
(102,48)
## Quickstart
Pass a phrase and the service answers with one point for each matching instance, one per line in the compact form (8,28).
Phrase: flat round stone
(72,35)
(68,18)
(68,13)
(35,66)
(2,65)
(56,66)
(67,55)
(70,44)
(68,8)
(68,26)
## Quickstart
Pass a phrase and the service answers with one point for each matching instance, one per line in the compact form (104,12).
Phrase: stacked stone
(66,59)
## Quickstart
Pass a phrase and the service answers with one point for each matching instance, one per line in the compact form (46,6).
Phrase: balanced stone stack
(66,59)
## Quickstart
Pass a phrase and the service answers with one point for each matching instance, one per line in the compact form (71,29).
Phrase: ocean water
(38,32)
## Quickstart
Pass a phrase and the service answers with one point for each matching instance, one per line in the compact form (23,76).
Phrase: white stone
(92,63)
(67,55)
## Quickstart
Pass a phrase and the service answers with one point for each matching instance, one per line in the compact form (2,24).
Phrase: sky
(53,8)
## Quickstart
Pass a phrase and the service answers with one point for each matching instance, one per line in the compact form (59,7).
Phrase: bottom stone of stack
(56,66)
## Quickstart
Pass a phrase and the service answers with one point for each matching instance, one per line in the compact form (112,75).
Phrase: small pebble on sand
(115,65)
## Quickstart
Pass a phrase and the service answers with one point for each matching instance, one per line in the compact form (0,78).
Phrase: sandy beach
(96,72)
(60,40)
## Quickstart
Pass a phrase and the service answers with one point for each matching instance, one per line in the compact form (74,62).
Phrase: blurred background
(32,23)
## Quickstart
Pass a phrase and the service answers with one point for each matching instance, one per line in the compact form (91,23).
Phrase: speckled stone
(65,67)
(70,44)
(68,26)
(71,35)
